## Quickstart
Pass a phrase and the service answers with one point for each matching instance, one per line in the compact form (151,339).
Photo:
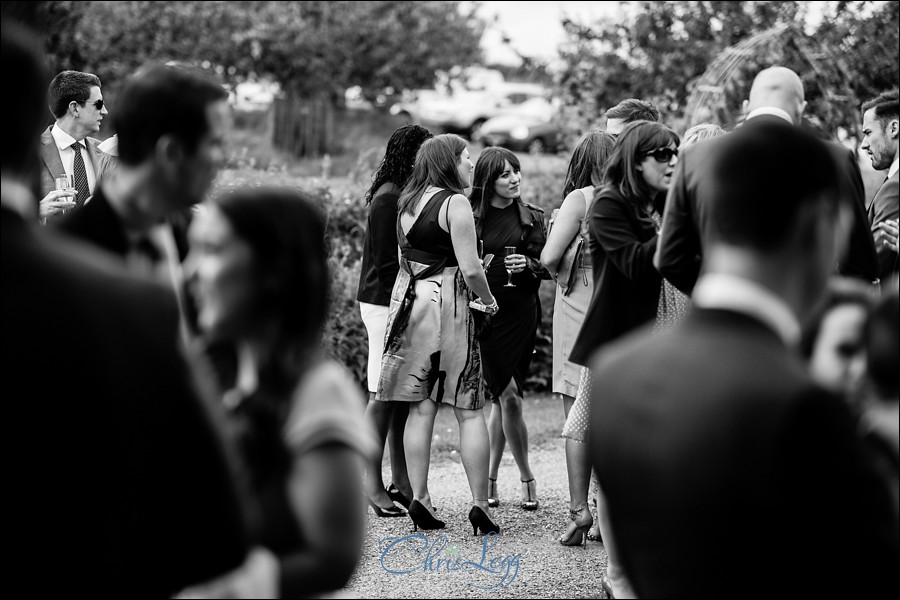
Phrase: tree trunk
(304,126)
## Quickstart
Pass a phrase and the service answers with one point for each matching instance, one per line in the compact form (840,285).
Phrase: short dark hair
(23,63)
(69,86)
(762,177)
(399,157)
(632,145)
(886,106)
(163,100)
(632,109)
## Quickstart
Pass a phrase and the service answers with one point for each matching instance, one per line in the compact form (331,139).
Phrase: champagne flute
(509,251)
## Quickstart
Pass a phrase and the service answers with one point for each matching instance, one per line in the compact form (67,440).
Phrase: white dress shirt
(729,292)
(64,143)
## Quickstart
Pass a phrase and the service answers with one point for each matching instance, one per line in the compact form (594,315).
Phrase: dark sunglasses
(97,104)
(663,155)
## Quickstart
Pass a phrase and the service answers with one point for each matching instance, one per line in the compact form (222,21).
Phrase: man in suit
(776,97)
(77,105)
(881,127)
(119,480)
(727,470)
(171,126)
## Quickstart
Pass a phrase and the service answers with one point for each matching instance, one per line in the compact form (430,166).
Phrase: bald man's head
(777,87)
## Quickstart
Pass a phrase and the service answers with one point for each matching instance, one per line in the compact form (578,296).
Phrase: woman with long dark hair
(514,232)
(378,273)
(257,269)
(431,352)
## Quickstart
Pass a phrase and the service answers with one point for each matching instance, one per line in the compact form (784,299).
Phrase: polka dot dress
(578,423)
(672,303)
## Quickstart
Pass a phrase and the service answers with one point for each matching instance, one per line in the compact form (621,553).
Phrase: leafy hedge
(342,200)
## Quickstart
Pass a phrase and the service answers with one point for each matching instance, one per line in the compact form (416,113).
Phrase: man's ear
(745,107)
(169,150)
(893,128)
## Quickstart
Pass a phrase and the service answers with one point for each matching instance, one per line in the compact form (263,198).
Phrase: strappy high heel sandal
(529,500)
(422,518)
(581,521)
(479,520)
(493,499)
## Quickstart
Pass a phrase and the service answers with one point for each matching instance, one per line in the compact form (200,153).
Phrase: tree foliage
(659,51)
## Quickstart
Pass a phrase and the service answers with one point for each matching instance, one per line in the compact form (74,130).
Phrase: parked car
(465,111)
(527,128)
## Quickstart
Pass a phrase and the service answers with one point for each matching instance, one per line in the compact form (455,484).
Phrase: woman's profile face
(507,183)
(657,167)
(220,273)
(838,358)
(464,168)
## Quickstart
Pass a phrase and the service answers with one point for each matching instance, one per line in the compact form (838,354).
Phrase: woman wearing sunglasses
(628,291)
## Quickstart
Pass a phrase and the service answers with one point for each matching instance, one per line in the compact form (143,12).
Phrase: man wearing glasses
(66,150)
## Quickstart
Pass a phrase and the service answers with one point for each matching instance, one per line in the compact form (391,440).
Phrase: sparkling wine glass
(509,251)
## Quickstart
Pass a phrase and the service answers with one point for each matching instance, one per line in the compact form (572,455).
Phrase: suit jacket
(885,206)
(728,472)
(98,224)
(626,285)
(51,163)
(121,480)
(688,227)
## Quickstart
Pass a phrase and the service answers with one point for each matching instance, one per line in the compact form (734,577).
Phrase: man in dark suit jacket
(881,128)
(77,105)
(776,96)
(119,480)
(727,471)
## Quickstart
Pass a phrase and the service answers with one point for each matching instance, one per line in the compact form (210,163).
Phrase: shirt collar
(63,140)
(718,290)
(770,110)
(895,166)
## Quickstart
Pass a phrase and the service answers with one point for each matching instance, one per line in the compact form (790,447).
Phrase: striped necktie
(80,176)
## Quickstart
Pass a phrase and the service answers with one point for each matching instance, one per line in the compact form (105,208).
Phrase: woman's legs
(475,451)
(417,442)
(399,474)
(497,438)
(379,414)
(618,581)
(515,429)
(578,467)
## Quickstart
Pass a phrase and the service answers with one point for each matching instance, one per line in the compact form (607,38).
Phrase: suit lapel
(50,155)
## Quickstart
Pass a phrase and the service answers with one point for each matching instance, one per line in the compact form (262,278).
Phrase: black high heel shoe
(479,520)
(422,518)
(393,511)
(397,496)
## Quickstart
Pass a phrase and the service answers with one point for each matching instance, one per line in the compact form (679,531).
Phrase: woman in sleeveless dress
(571,227)
(431,354)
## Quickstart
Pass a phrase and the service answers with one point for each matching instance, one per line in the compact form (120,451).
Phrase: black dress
(507,351)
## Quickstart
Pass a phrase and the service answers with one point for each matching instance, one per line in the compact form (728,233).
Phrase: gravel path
(536,566)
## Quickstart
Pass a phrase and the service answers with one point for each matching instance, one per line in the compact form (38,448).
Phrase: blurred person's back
(119,479)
